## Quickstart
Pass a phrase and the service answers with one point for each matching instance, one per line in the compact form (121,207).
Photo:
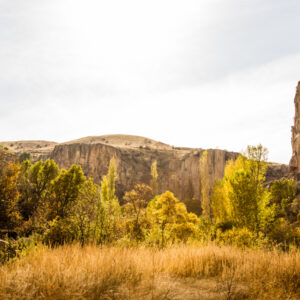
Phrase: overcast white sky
(197,73)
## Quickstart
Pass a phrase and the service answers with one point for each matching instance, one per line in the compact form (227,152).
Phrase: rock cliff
(295,161)
(178,168)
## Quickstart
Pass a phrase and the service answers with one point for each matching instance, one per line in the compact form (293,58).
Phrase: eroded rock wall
(295,161)
(178,169)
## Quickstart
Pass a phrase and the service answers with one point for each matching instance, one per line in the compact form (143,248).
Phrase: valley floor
(179,272)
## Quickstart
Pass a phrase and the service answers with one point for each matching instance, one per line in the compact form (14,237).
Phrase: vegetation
(242,203)
(178,272)
(47,207)
(204,185)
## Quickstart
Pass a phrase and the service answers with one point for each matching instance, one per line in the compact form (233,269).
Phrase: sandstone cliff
(295,161)
(178,167)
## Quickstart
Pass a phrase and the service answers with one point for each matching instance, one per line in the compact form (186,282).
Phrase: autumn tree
(241,197)
(283,193)
(134,209)
(65,191)
(9,195)
(83,212)
(221,205)
(35,185)
(285,229)
(170,220)
(154,180)
(108,207)
(204,185)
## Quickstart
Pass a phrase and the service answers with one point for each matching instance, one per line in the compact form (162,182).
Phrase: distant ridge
(122,140)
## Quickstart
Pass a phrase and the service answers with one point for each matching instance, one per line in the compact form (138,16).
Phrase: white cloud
(190,73)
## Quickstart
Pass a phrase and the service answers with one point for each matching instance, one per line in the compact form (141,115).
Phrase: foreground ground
(182,272)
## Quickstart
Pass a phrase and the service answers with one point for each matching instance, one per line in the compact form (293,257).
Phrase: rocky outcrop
(275,172)
(295,161)
(37,149)
(178,168)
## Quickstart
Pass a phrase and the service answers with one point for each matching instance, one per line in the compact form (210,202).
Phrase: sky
(194,73)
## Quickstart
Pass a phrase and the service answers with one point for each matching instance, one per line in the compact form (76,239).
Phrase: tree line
(60,206)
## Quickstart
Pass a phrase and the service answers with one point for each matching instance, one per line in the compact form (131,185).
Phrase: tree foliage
(9,194)
(107,225)
(170,220)
(65,191)
(154,180)
(204,185)
(35,184)
(241,197)
(134,209)
(63,206)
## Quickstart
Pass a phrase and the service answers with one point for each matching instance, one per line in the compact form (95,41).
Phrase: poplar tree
(154,175)
(204,185)
(108,208)
(241,197)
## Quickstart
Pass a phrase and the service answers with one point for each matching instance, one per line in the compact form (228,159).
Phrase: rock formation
(295,161)
(178,168)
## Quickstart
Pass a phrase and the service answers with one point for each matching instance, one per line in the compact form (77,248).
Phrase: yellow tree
(241,197)
(108,208)
(170,220)
(204,185)
(154,175)
(83,212)
(136,202)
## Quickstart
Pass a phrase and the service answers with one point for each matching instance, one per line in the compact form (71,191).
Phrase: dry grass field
(181,272)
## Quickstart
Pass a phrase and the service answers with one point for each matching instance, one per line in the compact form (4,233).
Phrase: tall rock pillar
(295,160)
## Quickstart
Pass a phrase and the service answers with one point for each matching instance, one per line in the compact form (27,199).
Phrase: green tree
(83,212)
(25,156)
(35,185)
(283,192)
(9,195)
(65,191)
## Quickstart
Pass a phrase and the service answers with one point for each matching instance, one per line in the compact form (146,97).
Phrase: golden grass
(181,272)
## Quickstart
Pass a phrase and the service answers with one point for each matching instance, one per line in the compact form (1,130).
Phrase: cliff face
(295,161)
(178,168)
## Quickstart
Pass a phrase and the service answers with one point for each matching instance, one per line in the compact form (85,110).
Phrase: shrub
(240,237)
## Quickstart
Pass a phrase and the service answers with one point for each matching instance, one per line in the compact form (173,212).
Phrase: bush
(25,156)
(13,249)
(240,237)
(60,231)
(285,234)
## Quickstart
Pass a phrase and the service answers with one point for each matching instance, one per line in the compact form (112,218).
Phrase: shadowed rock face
(295,161)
